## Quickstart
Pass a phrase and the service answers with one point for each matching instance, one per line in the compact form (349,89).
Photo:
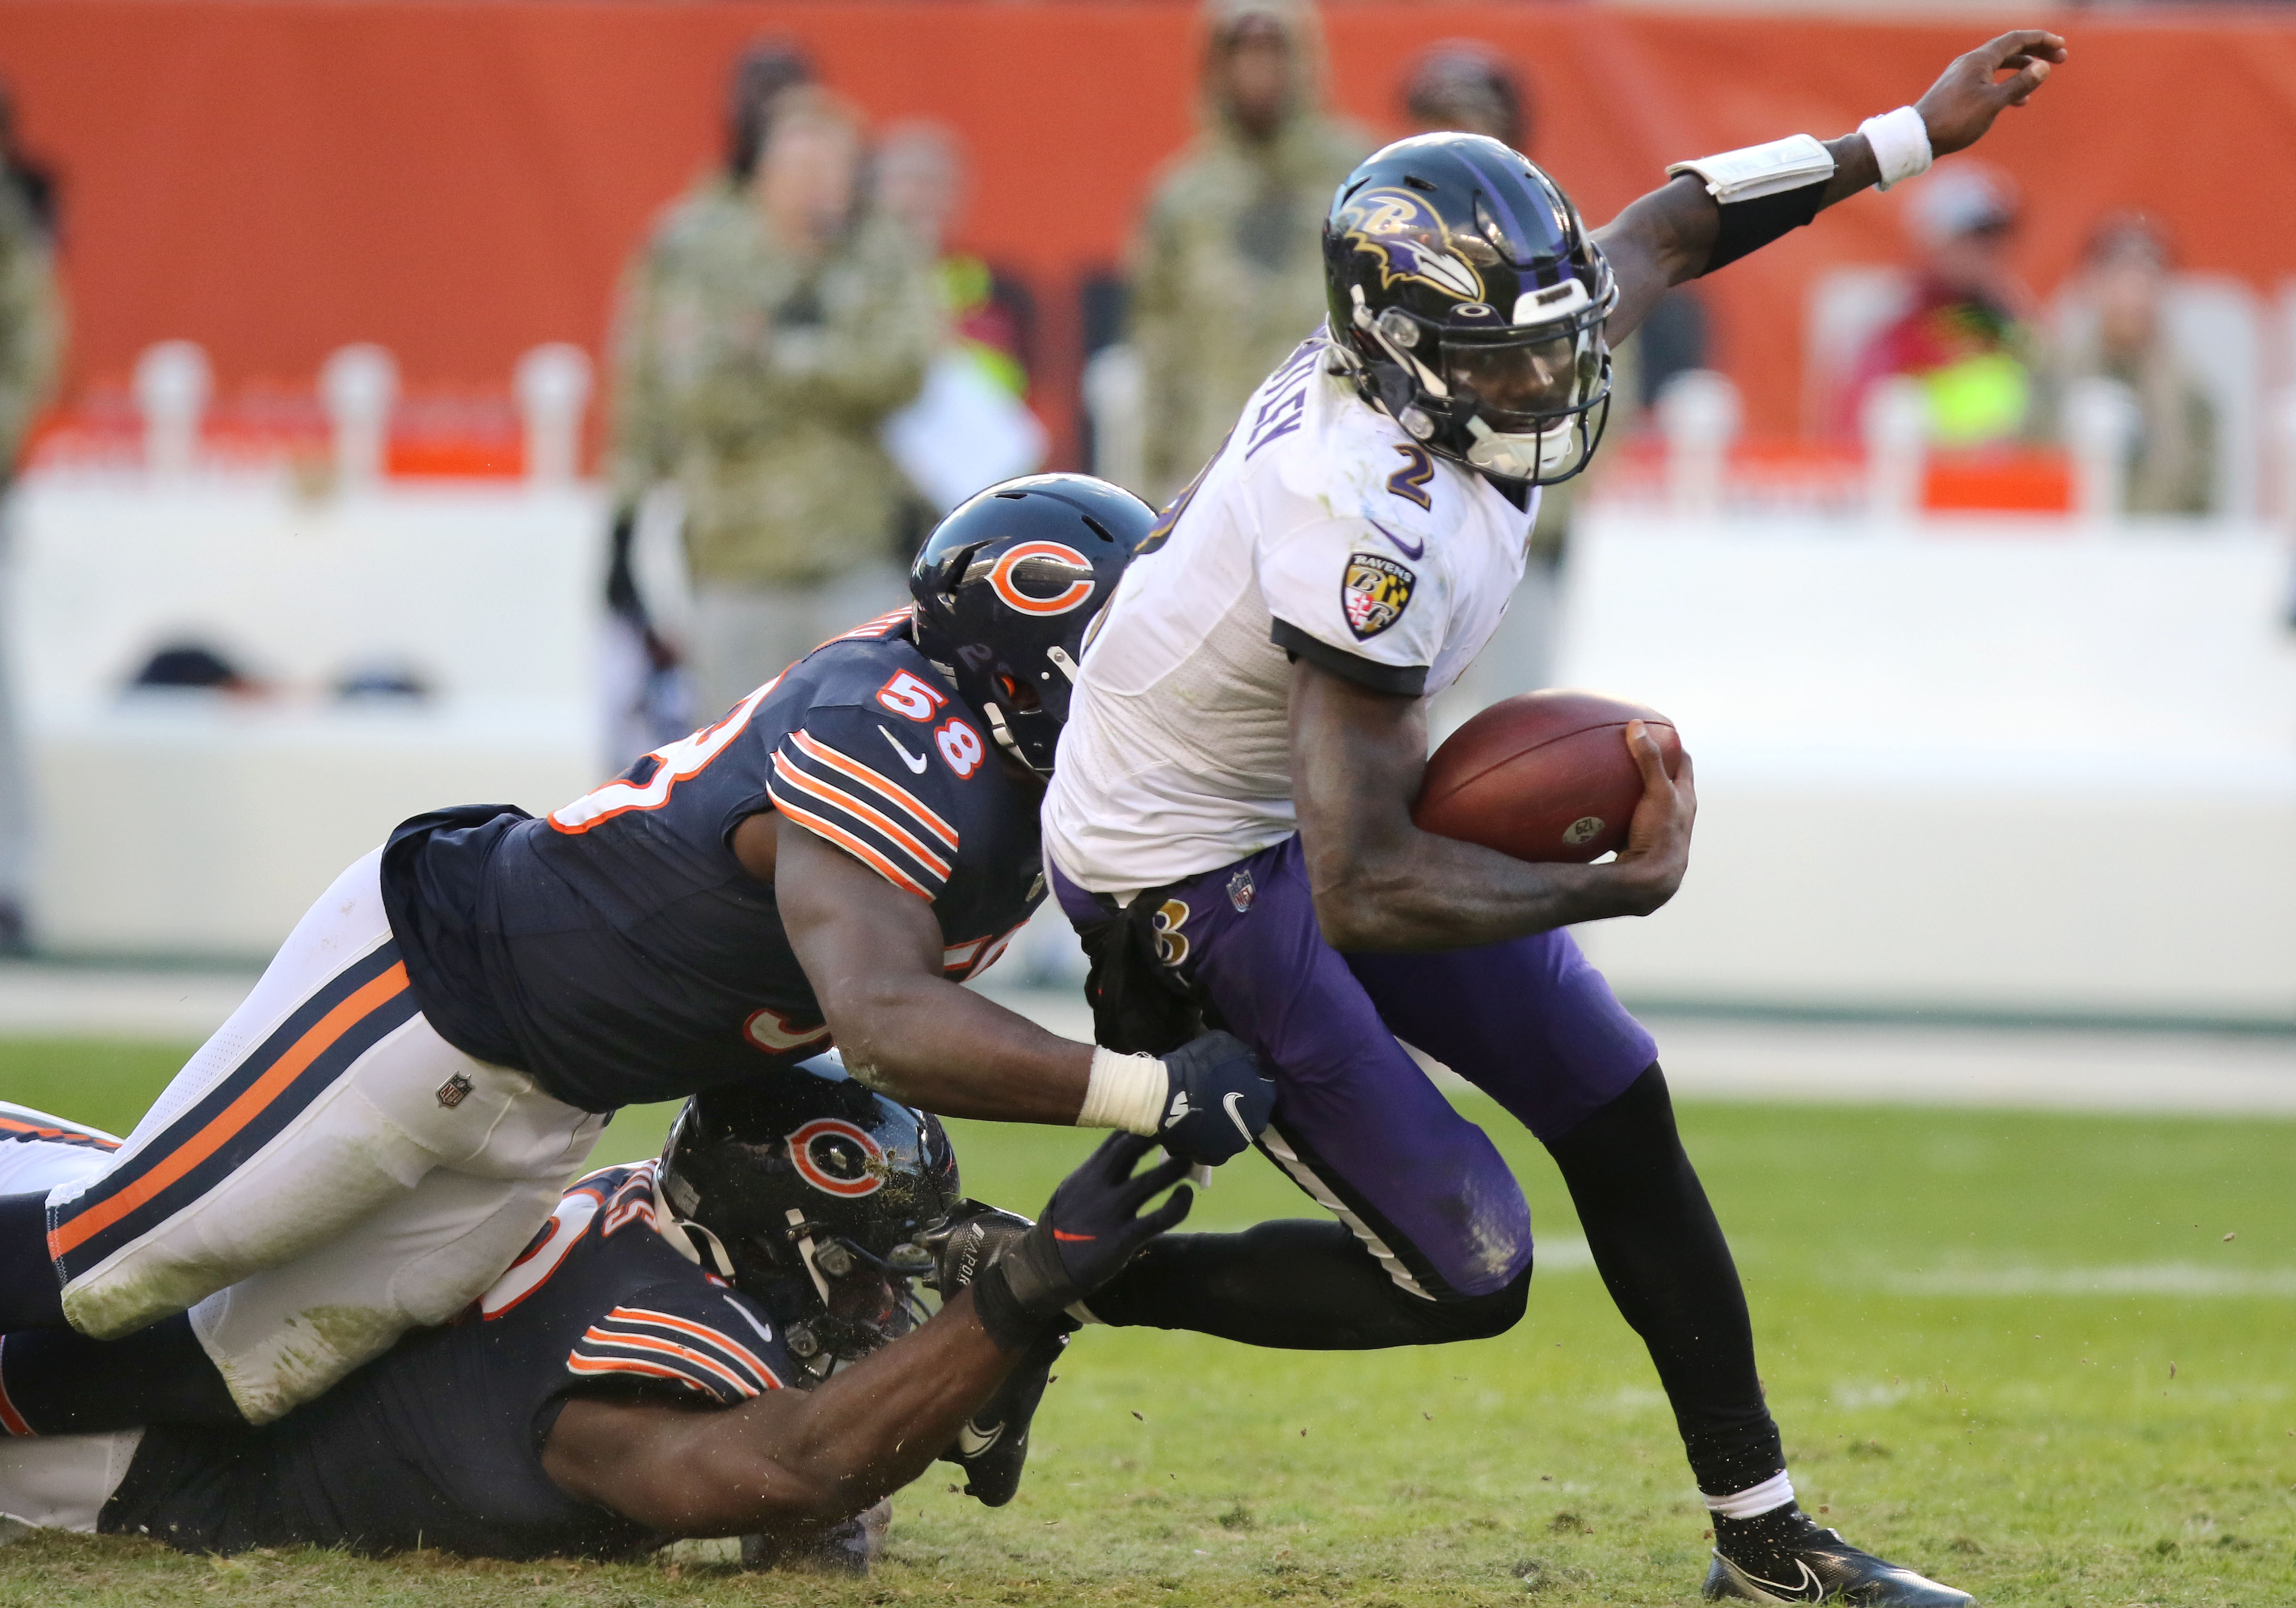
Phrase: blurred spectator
(800,324)
(1966,337)
(2172,461)
(646,697)
(1228,268)
(972,426)
(1465,86)
(31,347)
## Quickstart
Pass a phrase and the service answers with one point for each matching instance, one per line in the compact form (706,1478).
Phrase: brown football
(1542,775)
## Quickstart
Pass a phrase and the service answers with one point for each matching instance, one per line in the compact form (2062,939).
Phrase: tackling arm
(787,1463)
(1668,235)
(874,955)
(1379,883)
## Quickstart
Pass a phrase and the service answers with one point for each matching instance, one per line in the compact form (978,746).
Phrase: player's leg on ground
(56,1381)
(323,1101)
(1441,1235)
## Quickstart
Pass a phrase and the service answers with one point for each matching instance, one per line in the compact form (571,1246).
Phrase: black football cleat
(1818,1566)
(993,1447)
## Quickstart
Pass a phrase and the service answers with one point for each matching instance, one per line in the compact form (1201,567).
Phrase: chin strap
(680,1233)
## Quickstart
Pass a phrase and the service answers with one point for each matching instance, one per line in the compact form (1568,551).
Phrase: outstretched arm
(872,954)
(1668,236)
(790,1464)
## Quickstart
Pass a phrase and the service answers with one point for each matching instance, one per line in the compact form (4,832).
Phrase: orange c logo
(837,1158)
(1051,555)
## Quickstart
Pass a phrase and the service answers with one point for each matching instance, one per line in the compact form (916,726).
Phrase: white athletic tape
(1126,1092)
(1755,1500)
(1901,145)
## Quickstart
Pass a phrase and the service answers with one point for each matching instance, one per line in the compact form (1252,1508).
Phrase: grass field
(2050,1358)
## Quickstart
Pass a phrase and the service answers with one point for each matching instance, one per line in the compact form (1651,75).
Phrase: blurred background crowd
(775,287)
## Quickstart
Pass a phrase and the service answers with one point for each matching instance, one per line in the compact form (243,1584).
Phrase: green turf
(1967,1325)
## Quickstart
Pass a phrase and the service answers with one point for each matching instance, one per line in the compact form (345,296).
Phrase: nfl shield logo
(454,1091)
(1375,593)
(1240,892)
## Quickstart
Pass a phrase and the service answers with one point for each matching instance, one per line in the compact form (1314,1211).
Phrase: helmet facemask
(1520,401)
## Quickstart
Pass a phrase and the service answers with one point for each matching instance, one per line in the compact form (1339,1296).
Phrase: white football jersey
(1322,530)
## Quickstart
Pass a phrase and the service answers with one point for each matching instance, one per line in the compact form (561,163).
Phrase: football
(1543,775)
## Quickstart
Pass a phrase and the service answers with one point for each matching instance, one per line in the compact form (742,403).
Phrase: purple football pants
(1357,1125)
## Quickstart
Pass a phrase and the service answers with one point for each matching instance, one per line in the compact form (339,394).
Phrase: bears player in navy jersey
(721,1343)
(382,1124)
(1231,824)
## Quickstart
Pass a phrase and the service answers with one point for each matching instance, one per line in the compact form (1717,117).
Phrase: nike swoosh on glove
(1216,1101)
(1091,1227)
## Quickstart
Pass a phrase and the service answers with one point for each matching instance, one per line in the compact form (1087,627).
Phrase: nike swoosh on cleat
(970,1442)
(916,762)
(1408,549)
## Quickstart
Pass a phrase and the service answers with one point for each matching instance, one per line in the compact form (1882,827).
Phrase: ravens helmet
(1006,586)
(810,1192)
(1469,302)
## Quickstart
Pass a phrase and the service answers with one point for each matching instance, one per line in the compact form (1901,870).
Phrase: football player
(375,1132)
(1230,827)
(721,1343)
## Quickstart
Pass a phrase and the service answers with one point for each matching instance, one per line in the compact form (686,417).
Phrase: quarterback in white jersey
(1229,826)
(1324,532)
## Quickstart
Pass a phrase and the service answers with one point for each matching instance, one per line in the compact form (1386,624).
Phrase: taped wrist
(1124,1091)
(1749,225)
(1900,140)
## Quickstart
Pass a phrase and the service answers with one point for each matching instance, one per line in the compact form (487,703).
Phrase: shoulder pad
(878,775)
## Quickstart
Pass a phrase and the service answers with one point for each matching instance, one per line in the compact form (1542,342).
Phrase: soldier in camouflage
(31,347)
(1227,272)
(767,333)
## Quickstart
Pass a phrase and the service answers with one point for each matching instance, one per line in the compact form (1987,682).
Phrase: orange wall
(461,179)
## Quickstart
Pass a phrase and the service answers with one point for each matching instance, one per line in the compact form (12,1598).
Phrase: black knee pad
(1465,1316)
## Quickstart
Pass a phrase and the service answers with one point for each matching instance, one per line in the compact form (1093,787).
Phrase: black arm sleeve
(1749,225)
(1402,680)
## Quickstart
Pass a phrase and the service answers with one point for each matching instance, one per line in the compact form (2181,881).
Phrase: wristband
(1126,1092)
(1901,145)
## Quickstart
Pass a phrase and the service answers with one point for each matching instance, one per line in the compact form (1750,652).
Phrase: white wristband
(1126,1092)
(1901,145)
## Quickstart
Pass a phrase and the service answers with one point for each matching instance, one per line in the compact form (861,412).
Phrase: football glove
(1216,1102)
(1091,1227)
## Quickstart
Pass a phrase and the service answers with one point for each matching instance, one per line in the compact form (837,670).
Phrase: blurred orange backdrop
(459,180)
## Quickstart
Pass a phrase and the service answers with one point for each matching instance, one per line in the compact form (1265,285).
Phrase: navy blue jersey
(439,1442)
(618,951)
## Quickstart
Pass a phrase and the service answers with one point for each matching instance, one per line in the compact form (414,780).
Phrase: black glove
(1091,1227)
(961,1248)
(1217,1102)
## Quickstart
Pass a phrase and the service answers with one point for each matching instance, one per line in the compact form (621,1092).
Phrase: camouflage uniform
(1227,272)
(31,323)
(757,382)
(31,344)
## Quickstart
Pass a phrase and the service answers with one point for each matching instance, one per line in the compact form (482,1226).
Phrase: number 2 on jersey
(1410,482)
